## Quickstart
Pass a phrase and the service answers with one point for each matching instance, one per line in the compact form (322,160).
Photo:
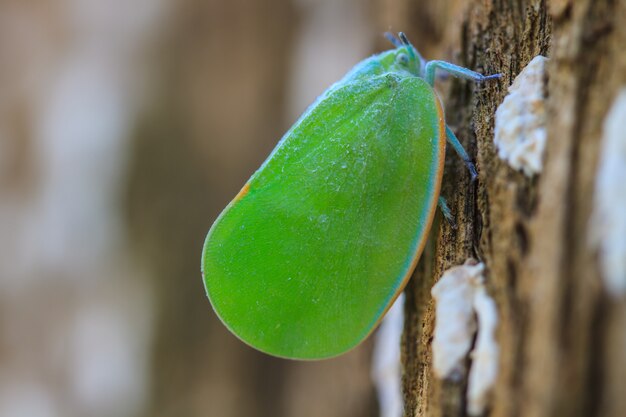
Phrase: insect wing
(304,262)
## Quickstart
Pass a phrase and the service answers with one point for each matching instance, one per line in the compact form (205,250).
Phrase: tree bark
(561,337)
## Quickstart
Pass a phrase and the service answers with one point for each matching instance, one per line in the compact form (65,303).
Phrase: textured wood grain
(561,338)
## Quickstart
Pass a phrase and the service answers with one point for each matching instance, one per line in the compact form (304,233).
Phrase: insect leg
(452,140)
(456,71)
(445,210)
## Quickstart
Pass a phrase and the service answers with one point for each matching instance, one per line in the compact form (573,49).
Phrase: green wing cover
(307,258)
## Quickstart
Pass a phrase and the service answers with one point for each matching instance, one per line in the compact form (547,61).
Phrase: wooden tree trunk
(562,338)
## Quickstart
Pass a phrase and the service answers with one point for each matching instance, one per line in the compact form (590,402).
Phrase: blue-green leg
(454,70)
(445,210)
(460,150)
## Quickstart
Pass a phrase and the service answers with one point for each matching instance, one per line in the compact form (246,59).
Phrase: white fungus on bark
(520,121)
(484,370)
(607,228)
(455,324)
(463,307)
(386,366)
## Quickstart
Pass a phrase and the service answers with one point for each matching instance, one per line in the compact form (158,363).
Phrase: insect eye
(402,59)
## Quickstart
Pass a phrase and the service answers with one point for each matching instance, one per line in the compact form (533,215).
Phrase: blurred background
(125,128)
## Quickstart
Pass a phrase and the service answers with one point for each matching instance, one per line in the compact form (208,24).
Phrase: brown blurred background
(125,127)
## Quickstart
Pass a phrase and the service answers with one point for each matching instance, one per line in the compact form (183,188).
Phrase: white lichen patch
(484,370)
(462,300)
(386,366)
(455,324)
(520,125)
(607,228)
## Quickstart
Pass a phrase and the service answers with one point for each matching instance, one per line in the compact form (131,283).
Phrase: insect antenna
(392,38)
(405,42)
(412,51)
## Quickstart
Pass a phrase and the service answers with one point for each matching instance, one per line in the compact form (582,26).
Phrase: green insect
(320,241)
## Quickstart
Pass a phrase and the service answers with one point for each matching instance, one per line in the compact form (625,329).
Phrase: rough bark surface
(562,340)
(561,337)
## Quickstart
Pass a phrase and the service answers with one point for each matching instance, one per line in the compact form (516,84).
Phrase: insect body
(319,242)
